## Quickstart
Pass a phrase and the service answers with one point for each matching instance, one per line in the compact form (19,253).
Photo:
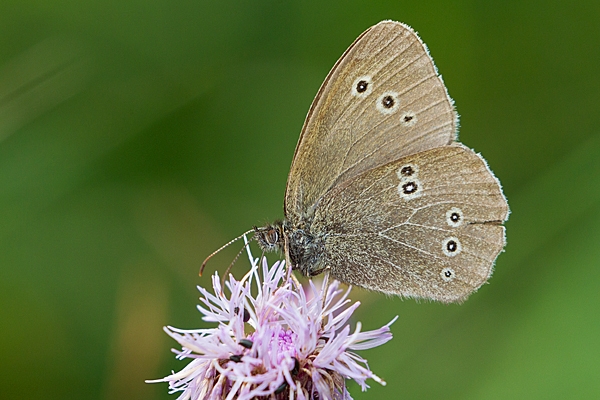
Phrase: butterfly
(380,193)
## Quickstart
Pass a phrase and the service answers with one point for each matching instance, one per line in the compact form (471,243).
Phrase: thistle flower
(273,340)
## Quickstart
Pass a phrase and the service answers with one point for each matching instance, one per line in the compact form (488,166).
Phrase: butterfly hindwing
(427,225)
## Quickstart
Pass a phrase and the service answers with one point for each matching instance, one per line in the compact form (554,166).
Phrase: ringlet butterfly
(380,193)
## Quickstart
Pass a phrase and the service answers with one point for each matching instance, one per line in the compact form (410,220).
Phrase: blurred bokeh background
(138,136)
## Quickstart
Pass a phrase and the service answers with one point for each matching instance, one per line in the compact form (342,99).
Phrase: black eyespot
(409,118)
(388,102)
(362,86)
(447,274)
(407,171)
(246,343)
(451,246)
(454,218)
(409,187)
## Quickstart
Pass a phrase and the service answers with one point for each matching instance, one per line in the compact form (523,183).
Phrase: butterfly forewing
(382,100)
(427,225)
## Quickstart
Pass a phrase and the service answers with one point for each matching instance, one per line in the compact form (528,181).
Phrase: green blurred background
(136,137)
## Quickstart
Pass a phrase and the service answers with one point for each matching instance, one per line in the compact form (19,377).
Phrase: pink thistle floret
(273,339)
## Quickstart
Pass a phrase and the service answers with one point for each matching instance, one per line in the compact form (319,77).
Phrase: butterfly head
(270,237)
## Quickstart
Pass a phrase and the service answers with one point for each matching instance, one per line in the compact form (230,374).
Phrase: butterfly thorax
(304,251)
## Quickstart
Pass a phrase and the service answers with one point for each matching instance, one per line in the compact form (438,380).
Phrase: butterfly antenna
(221,248)
(233,262)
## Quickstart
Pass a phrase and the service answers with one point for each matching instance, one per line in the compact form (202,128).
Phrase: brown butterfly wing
(424,226)
(349,130)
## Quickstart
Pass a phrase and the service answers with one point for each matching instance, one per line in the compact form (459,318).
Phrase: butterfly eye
(451,247)
(272,236)
(269,238)
(388,103)
(362,86)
